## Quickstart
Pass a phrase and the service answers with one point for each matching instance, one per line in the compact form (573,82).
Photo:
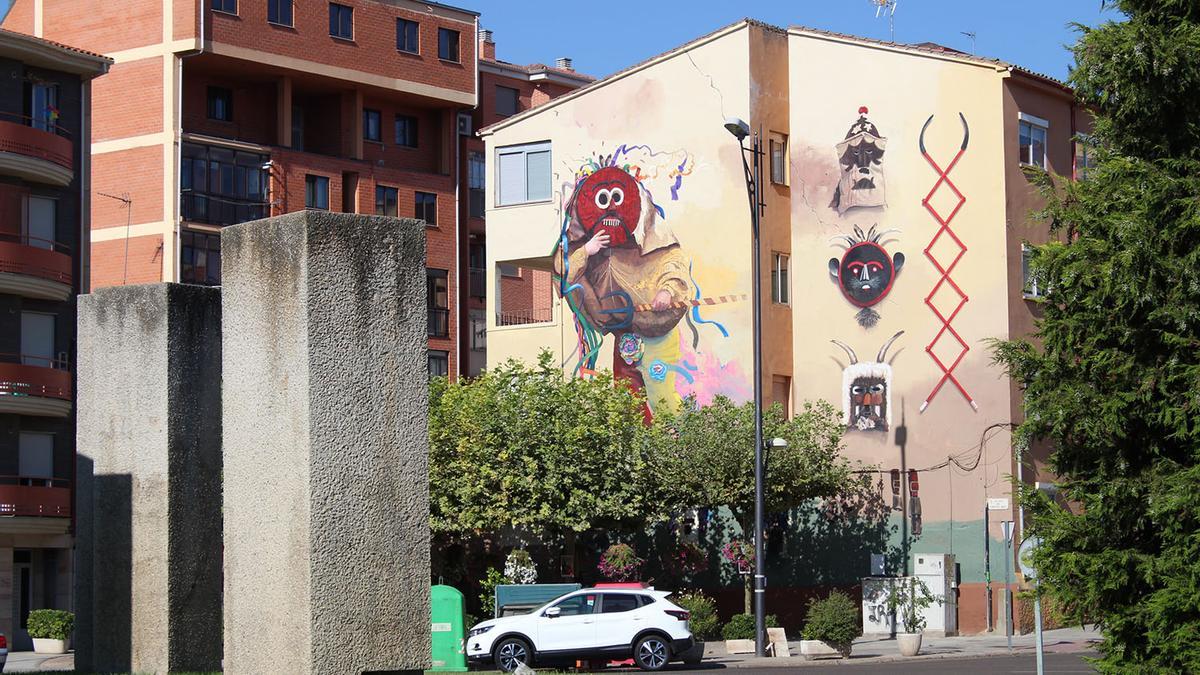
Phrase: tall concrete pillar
(325,442)
(149,442)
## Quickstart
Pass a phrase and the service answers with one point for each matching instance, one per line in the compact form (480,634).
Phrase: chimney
(564,63)
(487,47)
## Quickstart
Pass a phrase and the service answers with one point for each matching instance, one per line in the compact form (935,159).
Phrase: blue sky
(604,37)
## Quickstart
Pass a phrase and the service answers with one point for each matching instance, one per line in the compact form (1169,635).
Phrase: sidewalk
(873,649)
(28,662)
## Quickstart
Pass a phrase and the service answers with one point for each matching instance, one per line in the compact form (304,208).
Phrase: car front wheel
(652,653)
(511,652)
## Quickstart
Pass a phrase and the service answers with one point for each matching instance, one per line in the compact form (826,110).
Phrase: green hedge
(741,626)
(834,621)
(51,624)
(703,621)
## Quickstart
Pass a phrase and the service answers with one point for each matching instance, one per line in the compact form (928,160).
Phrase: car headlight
(479,631)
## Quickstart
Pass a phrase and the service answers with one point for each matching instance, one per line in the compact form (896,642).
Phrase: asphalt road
(1024,663)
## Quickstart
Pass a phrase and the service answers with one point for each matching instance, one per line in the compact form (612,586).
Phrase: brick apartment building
(223,111)
(45,94)
(505,89)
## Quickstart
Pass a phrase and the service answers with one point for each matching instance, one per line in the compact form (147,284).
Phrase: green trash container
(449,632)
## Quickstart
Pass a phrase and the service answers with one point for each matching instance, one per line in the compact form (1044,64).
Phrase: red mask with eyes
(608,201)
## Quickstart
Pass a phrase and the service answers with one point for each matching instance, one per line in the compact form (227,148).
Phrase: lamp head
(737,127)
(778,443)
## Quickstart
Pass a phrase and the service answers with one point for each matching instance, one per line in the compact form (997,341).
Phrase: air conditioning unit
(464,124)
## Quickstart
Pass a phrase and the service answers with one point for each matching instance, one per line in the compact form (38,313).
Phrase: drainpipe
(458,257)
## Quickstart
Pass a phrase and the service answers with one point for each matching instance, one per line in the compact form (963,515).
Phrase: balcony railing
(36,257)
(439,322)
(35,497)
(521,317)
(23,136)
(218,210)
(478,282)
(27,375)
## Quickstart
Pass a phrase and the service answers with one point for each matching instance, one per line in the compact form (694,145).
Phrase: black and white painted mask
(860,154)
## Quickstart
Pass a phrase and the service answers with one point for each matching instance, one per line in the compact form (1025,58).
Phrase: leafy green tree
(1112,378)
(704,457)
(529,448)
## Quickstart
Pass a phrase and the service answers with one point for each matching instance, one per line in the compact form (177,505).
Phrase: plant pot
(910,643)
(815,649)
(694,655)
(49,646)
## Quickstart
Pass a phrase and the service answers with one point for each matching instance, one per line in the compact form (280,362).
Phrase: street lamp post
(753,171)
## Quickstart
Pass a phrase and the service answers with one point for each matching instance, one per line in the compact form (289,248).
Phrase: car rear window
(619,602)
(645,600)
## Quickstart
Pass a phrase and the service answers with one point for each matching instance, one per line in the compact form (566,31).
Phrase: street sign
(1006,526)
(997,503)
(1025,557)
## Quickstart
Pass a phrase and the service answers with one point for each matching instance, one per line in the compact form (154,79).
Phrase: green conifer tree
(1112,378)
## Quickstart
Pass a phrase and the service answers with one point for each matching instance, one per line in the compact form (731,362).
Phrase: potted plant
(702,621)
(906,601)
(739,632)
(620,563)
(830,627)
(50,629)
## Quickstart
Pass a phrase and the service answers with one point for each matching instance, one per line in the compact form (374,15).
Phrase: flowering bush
(740,553)
(520,568)
(620,563)
(686,561)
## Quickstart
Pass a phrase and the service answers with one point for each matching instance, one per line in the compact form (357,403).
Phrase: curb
(801,662)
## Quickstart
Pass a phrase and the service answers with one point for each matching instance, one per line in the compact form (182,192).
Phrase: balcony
(34,268)
(478,279)
(34,154)
(34,505)
(32,385)
(439,322)
(522,317)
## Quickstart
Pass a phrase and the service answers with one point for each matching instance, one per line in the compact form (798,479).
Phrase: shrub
(51,624)
(741,626)
(620,563)
(833,620)
(703,621)
(487,599)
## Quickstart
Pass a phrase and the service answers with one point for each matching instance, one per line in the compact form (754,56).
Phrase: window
(437,300)
(40,228)
(781,393)
(439,363)
(280,12)
(780,284)
(227,6)
(406,36)
(371,125)
(1029,283)
(426,208)
(778,159)
(522,174)
(341,21)
(1032,139)
(200,258)
(508,270)
(476,174)
(43,106)
(1085,158)
(448,44)
(615,603)
(35,460)
(406,131)
(577,605)
(37,339)
(220,104)
(508,101)
(316,192)
(385,200)
(220,186)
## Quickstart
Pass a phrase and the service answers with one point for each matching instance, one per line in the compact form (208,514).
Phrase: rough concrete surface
(325,442)
(149,457)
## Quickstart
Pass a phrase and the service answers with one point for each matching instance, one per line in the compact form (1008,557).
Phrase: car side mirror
(552,612)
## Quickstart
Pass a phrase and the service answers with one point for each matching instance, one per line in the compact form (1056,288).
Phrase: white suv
(588,624)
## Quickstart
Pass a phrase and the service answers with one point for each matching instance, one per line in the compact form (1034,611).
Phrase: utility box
(937,571)
(449,630)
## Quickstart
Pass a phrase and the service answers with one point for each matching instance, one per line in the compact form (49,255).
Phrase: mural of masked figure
(626,276)
(867,390)
(860,154)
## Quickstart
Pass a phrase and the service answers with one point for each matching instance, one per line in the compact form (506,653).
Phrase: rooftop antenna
(888,6)
(970,34)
